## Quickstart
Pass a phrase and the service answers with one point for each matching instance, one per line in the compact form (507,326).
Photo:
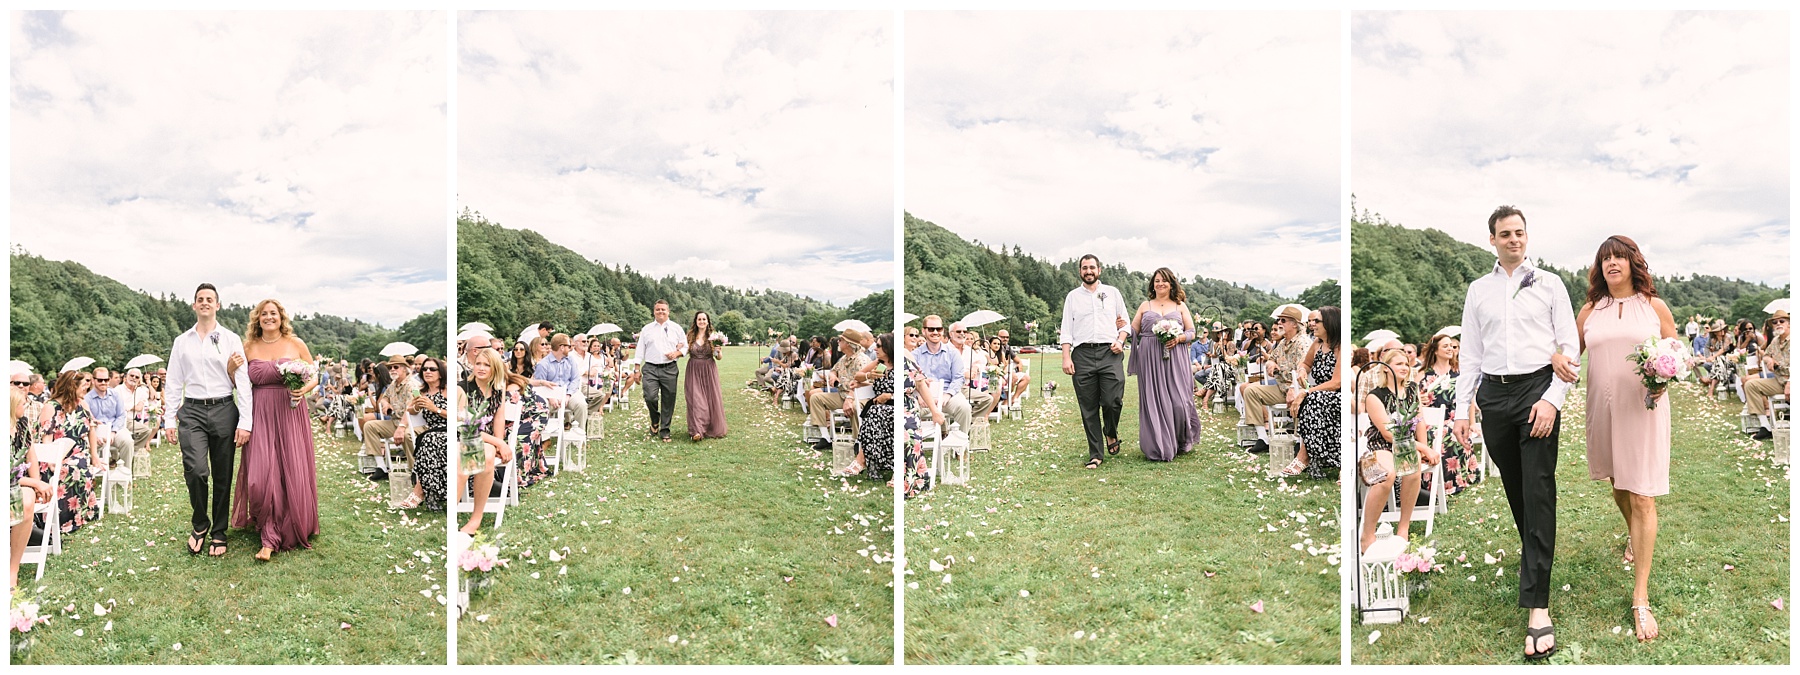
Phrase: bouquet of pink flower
(478,562)
(1660,361)
(24,618)
(1166,330)
(1415,563)
(294,375)
(718,341)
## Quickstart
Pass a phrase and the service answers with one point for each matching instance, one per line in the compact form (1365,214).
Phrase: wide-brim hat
(1291,311)
(397,360)
(854,336)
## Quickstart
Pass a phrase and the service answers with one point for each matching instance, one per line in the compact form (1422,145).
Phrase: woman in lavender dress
(277,492)
(1168,423)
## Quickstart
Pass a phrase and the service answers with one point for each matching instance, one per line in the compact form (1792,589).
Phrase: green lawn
(380,571)
(1136,562)
(734,550)
(1728,506)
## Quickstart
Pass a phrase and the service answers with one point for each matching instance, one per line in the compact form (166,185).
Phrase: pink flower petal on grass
(831,621)
(1258,608)
(1729,568)
(1777,604)
(1209,575)
(343,626)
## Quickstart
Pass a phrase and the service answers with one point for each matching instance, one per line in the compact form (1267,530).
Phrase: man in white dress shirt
(207,409)
(1093,347)
(1518,335)
(660,343)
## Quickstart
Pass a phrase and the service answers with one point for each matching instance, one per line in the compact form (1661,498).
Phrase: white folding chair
(1434,418)
(509,484)
(555,435)
(104,468)
(51,543)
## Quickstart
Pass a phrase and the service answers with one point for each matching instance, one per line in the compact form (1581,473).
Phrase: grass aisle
(732,550)
(1728,505)
(1136,562)
(378,570)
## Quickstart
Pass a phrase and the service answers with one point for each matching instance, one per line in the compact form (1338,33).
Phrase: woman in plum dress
(705,403)
(277,488)
(1627,442)
(1168,422)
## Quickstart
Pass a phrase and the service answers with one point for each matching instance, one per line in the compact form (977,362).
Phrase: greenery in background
(951,277)
(1721,560)
(1135,562)
(378,570)
(1413,281)
(735,550)
(61,310)
(512,278)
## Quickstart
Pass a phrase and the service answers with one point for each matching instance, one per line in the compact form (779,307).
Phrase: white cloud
(1206,142)
(754,149)
(298,155)
(1669,128)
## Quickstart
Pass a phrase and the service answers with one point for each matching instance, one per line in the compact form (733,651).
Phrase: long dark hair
(1175,293)
(441,375)
(1333,320)
(885,342)
(1431,350)
(693,333)
(1619,246)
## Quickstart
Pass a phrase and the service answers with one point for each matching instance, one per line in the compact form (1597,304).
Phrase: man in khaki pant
(1774,360)
(1282,363)
(393,404)
(820,403)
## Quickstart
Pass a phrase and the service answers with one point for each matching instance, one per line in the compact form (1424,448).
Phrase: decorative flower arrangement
(476,418)
(1166,330)
(24,618)
(992,374)
(1416,564)
(294,375)
(479,562)
(1660,361)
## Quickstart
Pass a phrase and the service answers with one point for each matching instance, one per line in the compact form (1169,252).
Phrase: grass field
(732,550)
(1136,562)
(378,570)
(1728,506)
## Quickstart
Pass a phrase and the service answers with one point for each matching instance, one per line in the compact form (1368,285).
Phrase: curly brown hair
(1619,246)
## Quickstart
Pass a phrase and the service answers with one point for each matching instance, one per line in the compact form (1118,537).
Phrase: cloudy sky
(752,149)
(293,155)
(1207,142)
(1671,129)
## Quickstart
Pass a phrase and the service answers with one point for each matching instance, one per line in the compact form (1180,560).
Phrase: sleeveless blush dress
(1625,441)
(277,487)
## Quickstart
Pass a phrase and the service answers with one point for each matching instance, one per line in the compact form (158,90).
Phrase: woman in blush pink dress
(1627,442)
(277,489)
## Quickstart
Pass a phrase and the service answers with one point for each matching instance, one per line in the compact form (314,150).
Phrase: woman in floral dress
(77,499)
(1441,368)
(534,418)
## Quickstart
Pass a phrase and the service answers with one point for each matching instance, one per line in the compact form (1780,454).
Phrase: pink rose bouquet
(1660,362)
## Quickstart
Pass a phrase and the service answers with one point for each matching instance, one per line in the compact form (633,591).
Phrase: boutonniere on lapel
(214,337)
(1103,296)
(1530,278)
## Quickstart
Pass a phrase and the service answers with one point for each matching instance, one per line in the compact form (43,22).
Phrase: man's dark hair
(1085,257)
(1503,212)
(206,287)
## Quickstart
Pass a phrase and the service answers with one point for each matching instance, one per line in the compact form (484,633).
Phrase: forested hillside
(951,277)
(1413,282)
(61,310)
(511,278)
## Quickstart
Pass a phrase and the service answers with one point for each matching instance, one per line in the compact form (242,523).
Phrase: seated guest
(110,411)
(981,401)
(875,433)
(837,394)
(390,404)
(484,399)
(944,371)
(28,485)
(1774,363)
(1021,370)
(137,395)
(77,499)
(432,451)
(560,372)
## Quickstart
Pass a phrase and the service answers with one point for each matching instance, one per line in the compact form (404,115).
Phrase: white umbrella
(468,335)
(1450,331)
(76,363)
(526,335)
(142,360)
(980,317)
(20,367)
(851,323)
(604,328)
(399,349)
(1380,338)
(1779,305)
(907,317)
(475,325)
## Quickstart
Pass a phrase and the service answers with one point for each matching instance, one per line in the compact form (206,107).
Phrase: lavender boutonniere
(214,337)
(1530,278)
(1103,296)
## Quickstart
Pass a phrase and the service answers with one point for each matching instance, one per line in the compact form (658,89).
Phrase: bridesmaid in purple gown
(1168,422)
(277,487)
(705,403)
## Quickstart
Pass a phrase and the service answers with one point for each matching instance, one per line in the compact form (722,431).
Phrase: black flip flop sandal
(196,542)
(1537,635)
(1094,463)
(216,544)
(1112,446)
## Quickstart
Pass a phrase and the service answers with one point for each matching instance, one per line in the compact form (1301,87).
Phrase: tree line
(952,277)
(511,278)
(61,310)
(1413,282)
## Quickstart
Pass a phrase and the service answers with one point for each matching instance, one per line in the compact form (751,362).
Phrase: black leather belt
(1514,379)
(208,401)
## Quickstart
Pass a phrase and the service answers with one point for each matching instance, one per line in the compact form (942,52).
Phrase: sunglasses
(17,383)
(428,369)
(934,329)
